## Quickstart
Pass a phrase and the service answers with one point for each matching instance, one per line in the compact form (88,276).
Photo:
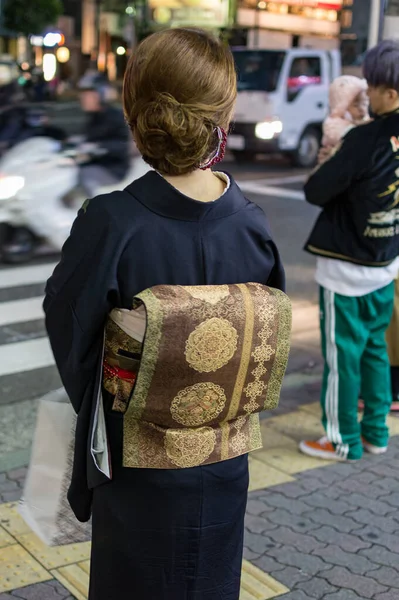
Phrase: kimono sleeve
(80,293)
(273,263)
(277,275)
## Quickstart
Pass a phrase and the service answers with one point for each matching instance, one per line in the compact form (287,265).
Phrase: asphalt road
(26,364)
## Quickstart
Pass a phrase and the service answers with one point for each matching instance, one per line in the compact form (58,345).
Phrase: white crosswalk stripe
(27,368)
(25,275)
(19,311)
(262,189)
(25,356)
(31,350)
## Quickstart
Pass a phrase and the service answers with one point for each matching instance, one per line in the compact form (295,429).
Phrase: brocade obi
(212,359)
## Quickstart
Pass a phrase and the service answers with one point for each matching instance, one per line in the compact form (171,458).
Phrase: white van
(282,102)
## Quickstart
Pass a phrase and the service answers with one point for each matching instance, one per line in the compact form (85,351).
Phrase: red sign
(301,81)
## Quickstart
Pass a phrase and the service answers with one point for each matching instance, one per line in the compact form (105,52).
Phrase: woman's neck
(204,186)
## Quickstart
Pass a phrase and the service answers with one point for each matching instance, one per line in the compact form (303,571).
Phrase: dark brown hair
(179,85)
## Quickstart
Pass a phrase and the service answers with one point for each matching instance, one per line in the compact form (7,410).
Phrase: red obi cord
(120,373)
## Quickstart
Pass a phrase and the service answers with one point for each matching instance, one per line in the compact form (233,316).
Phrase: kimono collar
(161,197)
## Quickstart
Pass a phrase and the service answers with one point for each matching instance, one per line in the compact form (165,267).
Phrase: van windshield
(258,70)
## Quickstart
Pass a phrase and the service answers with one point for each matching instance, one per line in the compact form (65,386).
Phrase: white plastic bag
(44,504)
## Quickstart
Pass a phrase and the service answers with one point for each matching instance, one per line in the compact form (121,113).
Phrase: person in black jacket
(163,533)
(106,150)
(356,241)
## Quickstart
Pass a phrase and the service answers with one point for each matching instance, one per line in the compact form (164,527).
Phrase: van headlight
(10,186)
(268,129)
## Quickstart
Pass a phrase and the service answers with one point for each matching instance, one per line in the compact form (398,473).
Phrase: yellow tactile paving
(288,460)
(54,557)
(313,408)
(272,438)
(262,476)
(85,566)
(298,425)
(5,538)
(75,579)
(393,424)
(18,569)
(256,585)
(11,520)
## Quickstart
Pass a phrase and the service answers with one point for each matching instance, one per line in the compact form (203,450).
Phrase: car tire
(305,156)
(20,247)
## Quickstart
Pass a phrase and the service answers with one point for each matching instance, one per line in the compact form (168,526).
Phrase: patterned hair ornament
(218,156)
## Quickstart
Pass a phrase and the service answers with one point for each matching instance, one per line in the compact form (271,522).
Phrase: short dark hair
(381,65)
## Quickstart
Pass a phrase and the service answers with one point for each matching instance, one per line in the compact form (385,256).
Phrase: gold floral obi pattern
(213,357)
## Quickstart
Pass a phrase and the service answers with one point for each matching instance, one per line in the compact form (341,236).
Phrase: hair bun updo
(174,136)
(179,86)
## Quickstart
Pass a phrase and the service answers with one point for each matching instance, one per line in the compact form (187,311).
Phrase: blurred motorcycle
(20,122)
(40,195)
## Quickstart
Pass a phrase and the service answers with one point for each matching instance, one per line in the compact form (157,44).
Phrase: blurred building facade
(111,28)
(286,23)
(391,25)
(355,33)
(103,32)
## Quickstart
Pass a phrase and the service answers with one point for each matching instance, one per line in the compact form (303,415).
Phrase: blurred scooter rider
(106,151)
(38,124)
(23,122)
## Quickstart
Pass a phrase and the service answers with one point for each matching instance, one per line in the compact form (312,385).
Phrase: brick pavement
(325,531)
(333,533)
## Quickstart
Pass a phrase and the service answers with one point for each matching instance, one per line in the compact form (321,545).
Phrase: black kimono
(173,534)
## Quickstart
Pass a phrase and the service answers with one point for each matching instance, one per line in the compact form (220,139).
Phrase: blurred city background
(298,546)
(61,38)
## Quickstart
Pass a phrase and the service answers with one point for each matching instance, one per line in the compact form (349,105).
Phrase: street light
(131,12)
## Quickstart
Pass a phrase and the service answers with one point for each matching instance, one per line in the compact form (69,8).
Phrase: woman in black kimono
(159,533)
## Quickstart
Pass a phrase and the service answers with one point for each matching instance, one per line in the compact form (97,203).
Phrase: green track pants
(355,360)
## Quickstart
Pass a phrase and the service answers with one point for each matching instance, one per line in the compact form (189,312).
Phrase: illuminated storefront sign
(299,17)
(200,13)
(326,4)
(308,9)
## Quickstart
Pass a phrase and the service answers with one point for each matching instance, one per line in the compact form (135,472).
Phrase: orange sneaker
(323,448)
